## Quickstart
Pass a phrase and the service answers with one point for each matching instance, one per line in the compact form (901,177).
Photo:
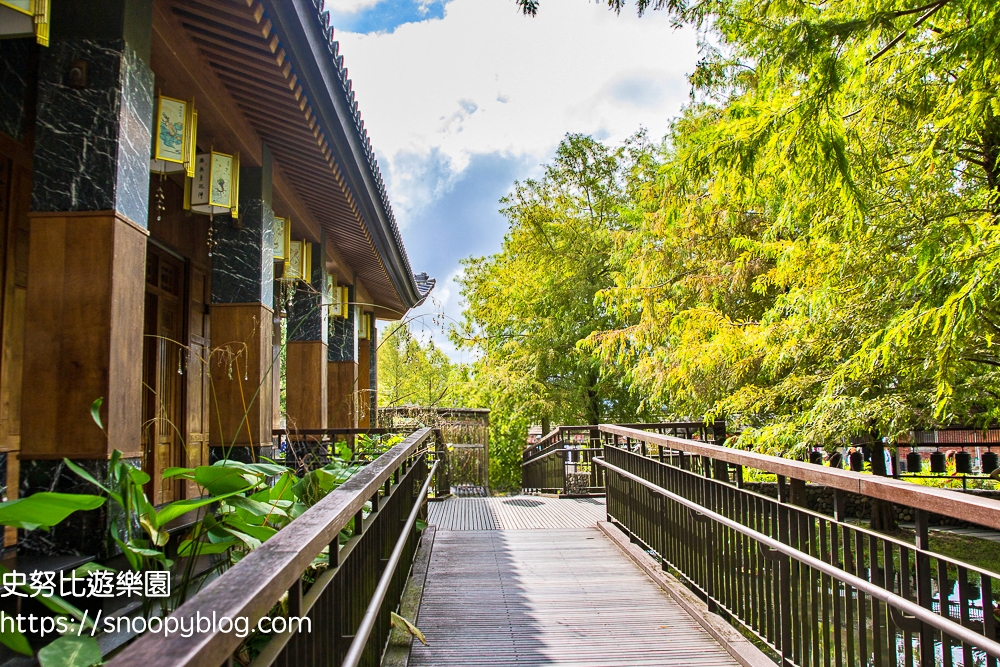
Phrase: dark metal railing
(810,588)
(307,449)
(348,603)
(562,461)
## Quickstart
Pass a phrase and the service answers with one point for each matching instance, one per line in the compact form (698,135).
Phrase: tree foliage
(411,373)
(813,252)
(529,305)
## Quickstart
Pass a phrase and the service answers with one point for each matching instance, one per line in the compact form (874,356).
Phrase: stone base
(83,533)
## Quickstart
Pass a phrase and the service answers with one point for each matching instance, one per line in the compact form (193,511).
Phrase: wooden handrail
(886,595)
(977,510)
(252,586)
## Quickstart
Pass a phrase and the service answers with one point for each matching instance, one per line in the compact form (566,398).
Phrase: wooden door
(197,375)
(163,372)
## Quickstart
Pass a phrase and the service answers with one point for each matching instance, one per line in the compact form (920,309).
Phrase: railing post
(442,483)
(924,594)
(839,505)
(719,432)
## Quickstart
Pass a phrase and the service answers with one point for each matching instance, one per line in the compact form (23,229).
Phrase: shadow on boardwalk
(553,596)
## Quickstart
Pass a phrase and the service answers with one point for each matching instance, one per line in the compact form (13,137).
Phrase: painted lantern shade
(298,265)
(282,238)
(216,182)
(175,137)
(25,18)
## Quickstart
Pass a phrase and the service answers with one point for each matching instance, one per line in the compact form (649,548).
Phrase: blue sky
(463,97)
(384,16)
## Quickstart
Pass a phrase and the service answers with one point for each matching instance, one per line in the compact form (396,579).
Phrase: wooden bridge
(682,561)
(532,581)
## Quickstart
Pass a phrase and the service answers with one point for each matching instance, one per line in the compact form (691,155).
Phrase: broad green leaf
(86,475)
(205,548)
(71,651)
(188,473)
(261,533)
(220,480)
(179,508)
(255,507)
(15,641)
(45,509)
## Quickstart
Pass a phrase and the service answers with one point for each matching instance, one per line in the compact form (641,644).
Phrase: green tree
(529,305)
(411,373)
(819,256)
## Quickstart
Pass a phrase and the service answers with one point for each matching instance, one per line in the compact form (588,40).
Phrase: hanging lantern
(282,238)
(364,326)
(25,18)
(914,462)
(298,265)
(215,185)
(963,462)
(174,143)
(990,462)
(939,463)
(336,298)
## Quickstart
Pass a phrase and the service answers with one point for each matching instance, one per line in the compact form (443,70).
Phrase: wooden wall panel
(242,374)
(306,389)
(197,398)
(83,317)
(342,380)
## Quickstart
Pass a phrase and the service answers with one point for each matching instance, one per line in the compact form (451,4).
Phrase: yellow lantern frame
(37,15)
(162,158)
(284,233)
(209,205)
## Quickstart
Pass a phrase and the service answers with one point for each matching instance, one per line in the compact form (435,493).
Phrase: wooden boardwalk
(552,596)
(515,513)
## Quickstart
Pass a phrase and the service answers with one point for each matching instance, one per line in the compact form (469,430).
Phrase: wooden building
(193,223)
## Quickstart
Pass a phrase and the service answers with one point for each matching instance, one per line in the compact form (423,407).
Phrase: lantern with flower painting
(175,137)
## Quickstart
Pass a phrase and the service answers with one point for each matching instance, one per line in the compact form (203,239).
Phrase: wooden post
(244,365)
(306,373)
(342,368)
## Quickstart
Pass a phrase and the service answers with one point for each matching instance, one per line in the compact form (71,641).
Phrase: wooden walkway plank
(550,595)
(516,513)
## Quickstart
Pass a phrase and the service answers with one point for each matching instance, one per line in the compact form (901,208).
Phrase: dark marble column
(93,117)
(92,135)
(242,321)
(18,64)
(342,368)
(306,379)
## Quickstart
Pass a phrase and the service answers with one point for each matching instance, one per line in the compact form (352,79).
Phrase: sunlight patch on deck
(516,513)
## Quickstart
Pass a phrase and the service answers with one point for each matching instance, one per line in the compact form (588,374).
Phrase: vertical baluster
(862,571)
(837,590)
(944,598)
(989,623)
(905,591)
(849,593)
(963,610)
(924,593)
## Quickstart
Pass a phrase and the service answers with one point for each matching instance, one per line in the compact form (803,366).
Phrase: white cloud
(453,104)
(350,6)
(487,79)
